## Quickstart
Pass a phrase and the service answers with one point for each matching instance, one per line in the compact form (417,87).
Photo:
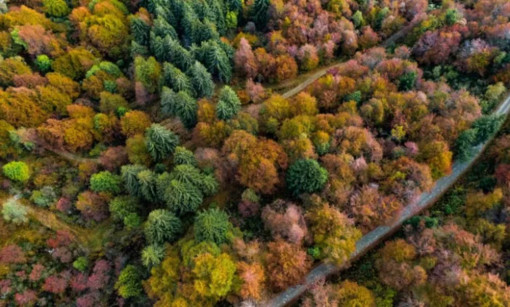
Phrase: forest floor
(378,235)
(74,158)
(91,239)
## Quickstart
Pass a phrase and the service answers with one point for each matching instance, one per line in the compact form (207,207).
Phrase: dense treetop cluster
(457,253)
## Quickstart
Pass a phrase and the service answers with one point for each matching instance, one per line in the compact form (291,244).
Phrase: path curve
(91,239)
(376,236)
(69,156)
(388,42)
(46,218)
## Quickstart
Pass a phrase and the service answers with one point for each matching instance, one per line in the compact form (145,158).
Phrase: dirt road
(90,238)
(377,235)
(388,42)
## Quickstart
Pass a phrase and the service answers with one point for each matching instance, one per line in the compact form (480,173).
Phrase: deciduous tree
(286,264)
(396,268)
(129,282)
(333,233)
(256,161)
(253,277)
(245,61)
(134,122)
(56,8)
(92,206)
(285,221)
(350,294)
(148,72)
(105,182)
(17,171)
(14,212)
(122,206)
(214,275)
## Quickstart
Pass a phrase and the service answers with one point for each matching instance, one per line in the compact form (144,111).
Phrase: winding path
(90,238)
(313,76)
(388,42)
(377,235)
(45,217)
(69,156)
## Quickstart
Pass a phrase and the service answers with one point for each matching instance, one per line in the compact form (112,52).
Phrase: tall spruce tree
(174,78)
(201,80)
(179,104)
(215,59)
(260,13)
(228,105)
(160,142)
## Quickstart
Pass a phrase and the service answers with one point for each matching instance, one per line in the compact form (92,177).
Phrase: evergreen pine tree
(211,54)
(140,31)
(464,144)
(162,28)
(201,80)
(188,174)
(181,105)
(160,142)
(203,31)
(306,176)
(184,156)
(260,13)
(152,255)
(228,105)
(212,225)
(162,226)
(147,181)
(174,78)
(129,175)
(182,197)
(234,5)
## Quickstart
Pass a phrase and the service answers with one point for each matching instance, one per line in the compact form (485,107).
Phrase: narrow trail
(323,71)
(376,236)
(46,218)
(31,136)
(69,156)
(90,238)
(313,76)
(173,123)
